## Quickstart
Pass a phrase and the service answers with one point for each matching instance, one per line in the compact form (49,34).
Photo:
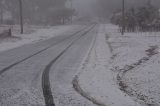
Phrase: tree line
(145,18)
(36,11)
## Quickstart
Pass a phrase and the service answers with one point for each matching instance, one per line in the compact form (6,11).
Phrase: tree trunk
(1,14)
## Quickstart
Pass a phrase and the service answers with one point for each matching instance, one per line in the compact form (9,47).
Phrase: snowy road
(29,74)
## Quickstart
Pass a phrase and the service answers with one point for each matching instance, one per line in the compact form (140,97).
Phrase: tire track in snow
(47,92)
(38,52)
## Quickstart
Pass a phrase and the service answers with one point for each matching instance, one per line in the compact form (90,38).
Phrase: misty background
(61,11)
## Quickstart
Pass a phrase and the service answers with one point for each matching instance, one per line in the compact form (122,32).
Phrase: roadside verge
(95,81)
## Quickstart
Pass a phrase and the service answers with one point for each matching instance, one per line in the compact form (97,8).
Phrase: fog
(60,11)
(84,7)
(108,6)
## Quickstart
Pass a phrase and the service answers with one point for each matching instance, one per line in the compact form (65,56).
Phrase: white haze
(91,6)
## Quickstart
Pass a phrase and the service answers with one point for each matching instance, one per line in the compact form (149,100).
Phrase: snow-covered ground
(31,34)
(122,70)
(21,85)
(136,58)
(97,80)
(119,70)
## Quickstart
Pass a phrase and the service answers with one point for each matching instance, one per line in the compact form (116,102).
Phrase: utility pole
(21,15)
(1,12)
(123,17)
(1,15)
(71,9)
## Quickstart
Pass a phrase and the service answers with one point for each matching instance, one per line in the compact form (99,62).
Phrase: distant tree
(38,11)
(116,18)
(61,15)
(146,14)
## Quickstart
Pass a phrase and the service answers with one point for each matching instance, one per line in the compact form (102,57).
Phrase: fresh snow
(96,78)
(32,34)
(113,54)
(142,82)
(22,84)
(110,54)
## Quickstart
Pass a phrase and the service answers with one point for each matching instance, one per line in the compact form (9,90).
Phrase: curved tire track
(78,89)
(47,92)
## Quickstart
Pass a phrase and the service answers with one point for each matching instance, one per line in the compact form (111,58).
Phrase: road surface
(41,74)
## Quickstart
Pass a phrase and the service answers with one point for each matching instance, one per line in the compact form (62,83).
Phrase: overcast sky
(83,6)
